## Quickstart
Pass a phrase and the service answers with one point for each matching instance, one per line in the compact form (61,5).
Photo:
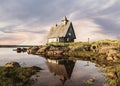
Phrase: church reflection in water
(62,68)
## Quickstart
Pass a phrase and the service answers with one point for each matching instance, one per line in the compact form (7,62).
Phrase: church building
(62,33)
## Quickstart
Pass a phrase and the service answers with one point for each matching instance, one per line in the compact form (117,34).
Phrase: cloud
(86,28)
(109,26)
(97,19)
(23,38)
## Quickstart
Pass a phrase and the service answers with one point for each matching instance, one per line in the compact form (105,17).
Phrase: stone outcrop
(12,64)
(48,50)
(112,55)
(32,50)
(112,75)
(42,50)
(111,52)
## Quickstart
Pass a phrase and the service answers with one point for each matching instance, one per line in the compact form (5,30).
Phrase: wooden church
(62,33)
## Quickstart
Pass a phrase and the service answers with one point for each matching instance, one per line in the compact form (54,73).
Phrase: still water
(56,72)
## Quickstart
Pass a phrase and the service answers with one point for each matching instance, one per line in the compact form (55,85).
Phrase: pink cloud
(22,38)
(86,28)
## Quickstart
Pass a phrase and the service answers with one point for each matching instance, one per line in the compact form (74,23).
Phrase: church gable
(63,32)
(70,33)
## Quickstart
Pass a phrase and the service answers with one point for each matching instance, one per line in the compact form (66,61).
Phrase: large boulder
(112,75)
(58,52)
(32,50)
(12,64)
(42,50)
(50,53)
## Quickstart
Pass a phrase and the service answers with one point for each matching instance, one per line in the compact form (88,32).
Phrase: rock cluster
(12,64)
(112,55)
(48,50)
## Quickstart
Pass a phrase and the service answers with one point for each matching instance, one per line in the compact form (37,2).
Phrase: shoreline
(105,54)
(14,75)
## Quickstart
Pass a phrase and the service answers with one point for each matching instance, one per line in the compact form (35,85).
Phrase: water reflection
(69,72)
(63,68)
(7,55)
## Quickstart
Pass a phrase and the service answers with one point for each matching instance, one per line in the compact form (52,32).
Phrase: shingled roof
(60,30)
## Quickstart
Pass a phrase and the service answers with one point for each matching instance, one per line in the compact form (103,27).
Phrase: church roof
(59,30)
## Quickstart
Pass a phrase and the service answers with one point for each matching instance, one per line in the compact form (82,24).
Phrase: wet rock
(32,50)
(91,81)
(42,50)
(50,53)
(12,64)
(97,65)
(112,75)
(58,52)
(24,49)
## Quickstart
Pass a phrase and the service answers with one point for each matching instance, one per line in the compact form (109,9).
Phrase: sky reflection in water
(72,72)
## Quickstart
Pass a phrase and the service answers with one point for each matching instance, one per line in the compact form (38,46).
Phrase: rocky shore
(103,53)
(12,74)
(49,50)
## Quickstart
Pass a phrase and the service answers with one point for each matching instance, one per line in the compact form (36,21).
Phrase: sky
(29,21)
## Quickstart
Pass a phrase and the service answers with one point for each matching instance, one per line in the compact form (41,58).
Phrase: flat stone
(90,81)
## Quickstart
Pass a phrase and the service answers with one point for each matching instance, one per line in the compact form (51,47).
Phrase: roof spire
(64,18)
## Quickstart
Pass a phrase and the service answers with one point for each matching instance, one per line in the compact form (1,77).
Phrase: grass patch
(116,70)
(16,76)
(81,54)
